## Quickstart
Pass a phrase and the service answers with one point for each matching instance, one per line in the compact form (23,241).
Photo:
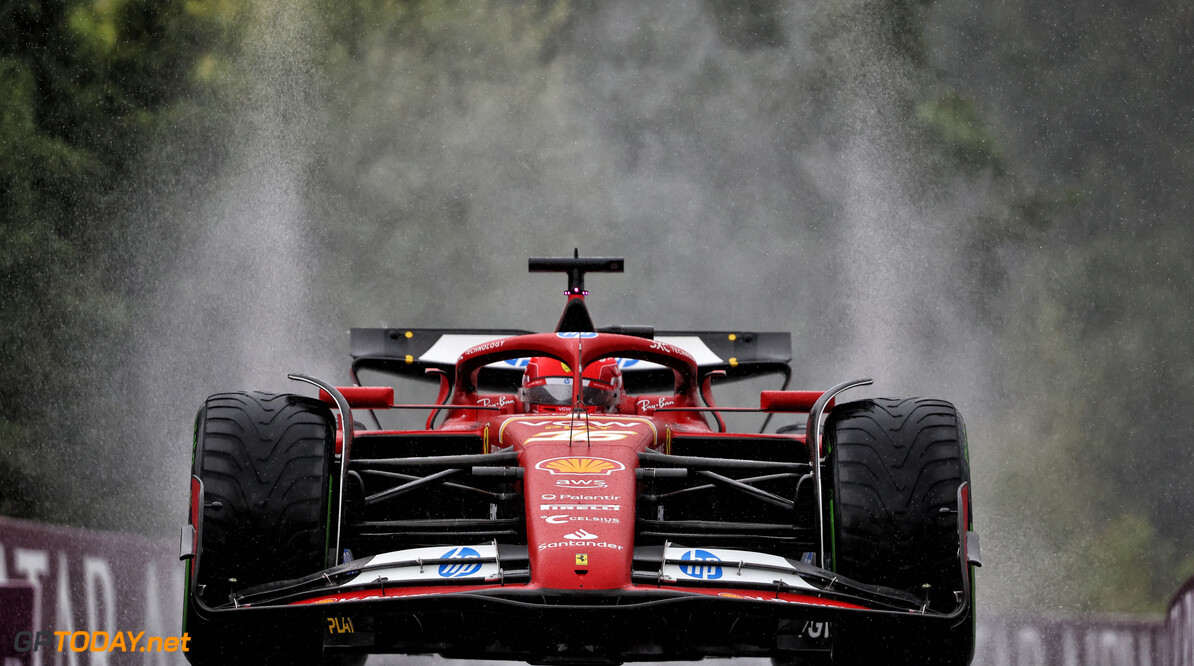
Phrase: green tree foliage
(1100,470)
(83,88)
(1089,100)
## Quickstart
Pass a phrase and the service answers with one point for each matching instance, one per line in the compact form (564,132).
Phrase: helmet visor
(549,391)
(558,391)
(598,394)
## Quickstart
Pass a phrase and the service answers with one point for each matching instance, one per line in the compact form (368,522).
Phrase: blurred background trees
(86,88)
(983,201)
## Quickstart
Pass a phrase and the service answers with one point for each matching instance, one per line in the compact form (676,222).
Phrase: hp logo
(701,569)
(468,566)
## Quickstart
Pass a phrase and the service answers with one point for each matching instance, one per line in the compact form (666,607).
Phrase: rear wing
(414,351)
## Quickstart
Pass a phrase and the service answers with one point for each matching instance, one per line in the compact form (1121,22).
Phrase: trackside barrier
(76,597)
(1091,640)
(16,615)
(1035,640)
(1179,626)
(67,591)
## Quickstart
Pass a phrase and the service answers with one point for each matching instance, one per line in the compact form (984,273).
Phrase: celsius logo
(576,334)
(565,518)
(518,362)
(580,534)
(470,565)
(700,568)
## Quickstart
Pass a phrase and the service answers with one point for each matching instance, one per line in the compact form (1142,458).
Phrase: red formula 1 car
(576,497)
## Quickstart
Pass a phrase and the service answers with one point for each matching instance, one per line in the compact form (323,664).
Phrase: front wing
(486,608)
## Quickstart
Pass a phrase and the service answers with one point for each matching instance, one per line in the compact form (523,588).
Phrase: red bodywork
(579,480)
(570,536)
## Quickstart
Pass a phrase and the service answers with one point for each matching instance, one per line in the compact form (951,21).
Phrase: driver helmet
(547,385)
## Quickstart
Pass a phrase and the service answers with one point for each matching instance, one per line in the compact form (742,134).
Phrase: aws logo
(580,466)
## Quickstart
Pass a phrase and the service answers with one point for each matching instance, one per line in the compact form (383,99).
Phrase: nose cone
(580,491)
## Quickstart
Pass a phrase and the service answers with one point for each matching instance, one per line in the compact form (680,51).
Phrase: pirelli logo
(580,507)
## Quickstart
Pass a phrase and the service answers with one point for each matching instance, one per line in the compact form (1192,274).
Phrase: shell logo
(580,466)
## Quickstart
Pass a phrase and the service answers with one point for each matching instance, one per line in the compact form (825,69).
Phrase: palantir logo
(703,570)
(469,565)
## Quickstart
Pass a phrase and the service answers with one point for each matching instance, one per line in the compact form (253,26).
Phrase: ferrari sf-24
(577,497)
